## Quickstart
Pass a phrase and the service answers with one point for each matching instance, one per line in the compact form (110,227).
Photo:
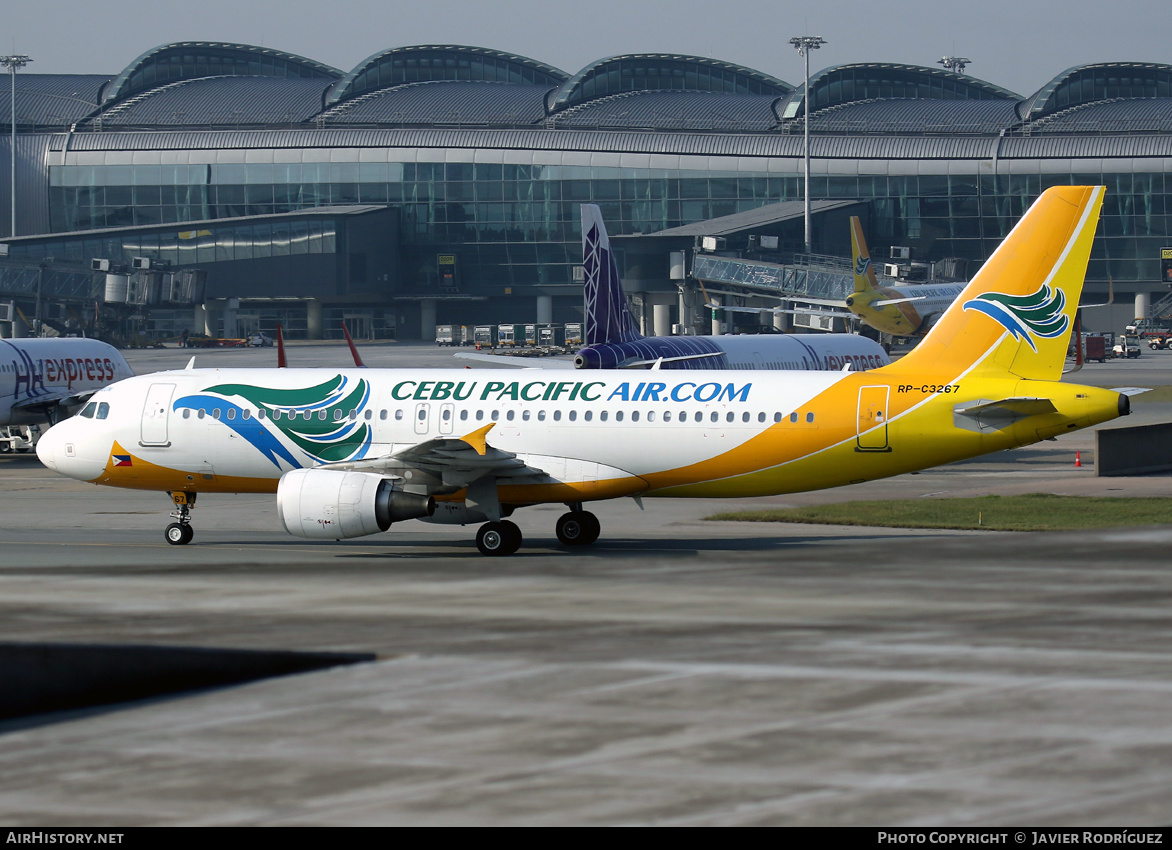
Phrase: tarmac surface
(679,671)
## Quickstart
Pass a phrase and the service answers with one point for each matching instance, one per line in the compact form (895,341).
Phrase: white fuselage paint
(633,422)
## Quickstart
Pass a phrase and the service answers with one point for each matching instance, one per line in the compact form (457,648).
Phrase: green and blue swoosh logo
(1039,314)
(293,422)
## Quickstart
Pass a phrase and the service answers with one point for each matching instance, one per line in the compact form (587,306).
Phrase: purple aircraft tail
(607,317)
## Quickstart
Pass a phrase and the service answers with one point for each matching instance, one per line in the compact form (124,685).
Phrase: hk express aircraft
(351,452)
(43,380)
(613,342)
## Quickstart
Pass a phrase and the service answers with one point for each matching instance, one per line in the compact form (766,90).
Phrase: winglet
(281,361)
(353,351)
(478,439)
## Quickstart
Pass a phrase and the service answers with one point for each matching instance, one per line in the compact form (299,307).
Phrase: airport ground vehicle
(201,341)
(1126,347)
(18,438)
(1095,347)
(453,335)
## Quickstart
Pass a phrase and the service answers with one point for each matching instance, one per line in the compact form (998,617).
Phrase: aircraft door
(154,415)
(422,418)
(872,419)
(447,418)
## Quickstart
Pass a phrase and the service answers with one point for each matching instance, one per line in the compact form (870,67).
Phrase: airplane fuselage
(38,374)
(830,352)
(595,436)
(914,312)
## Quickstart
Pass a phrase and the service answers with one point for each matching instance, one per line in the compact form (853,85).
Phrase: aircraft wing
(446,464)
(656,362)
(518,362)
(53,398)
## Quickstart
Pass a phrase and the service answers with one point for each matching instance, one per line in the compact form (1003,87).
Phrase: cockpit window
(88,410)
(103,410)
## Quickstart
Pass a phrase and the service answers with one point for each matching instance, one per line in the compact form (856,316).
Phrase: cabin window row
(482,415)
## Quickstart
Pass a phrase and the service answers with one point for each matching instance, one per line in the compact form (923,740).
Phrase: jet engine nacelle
(329,504)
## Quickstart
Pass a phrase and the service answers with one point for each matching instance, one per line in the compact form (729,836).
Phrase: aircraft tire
(178,534)
(578,528)
(498,538)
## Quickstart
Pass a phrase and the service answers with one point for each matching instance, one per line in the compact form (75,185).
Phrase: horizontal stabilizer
(983,415)
(1130,391)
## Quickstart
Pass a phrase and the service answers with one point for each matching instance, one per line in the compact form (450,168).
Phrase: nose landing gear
(180,532)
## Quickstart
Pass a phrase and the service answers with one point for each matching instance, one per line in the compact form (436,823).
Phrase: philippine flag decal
(122,460)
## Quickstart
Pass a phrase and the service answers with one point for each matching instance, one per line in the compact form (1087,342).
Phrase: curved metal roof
(937,117)
(484,104)
(435,62)
(1107,80)
(186,60)
(662,71)
(674,110)
(1123,115)
(842,84)
(52,100)
(220,102)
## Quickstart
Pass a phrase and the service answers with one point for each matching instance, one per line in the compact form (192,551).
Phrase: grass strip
(1032,512)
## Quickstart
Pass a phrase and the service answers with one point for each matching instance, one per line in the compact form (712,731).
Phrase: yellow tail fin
(1016,315)
(864,271)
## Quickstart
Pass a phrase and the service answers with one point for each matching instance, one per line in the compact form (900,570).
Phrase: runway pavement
(678,672)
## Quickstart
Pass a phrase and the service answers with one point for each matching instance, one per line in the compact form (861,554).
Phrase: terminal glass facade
(517,224)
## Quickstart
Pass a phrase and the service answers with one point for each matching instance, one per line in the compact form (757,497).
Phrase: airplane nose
(47,447)
(61,449)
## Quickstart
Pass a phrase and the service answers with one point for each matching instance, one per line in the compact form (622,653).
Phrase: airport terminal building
(442,183)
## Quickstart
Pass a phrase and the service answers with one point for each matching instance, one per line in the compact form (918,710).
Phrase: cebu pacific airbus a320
(352,452)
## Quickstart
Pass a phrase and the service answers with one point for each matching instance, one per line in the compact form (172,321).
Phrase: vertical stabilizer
(864,271)
(1016,314)
(607,317)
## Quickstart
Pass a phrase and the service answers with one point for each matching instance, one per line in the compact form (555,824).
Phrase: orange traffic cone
(1078,458)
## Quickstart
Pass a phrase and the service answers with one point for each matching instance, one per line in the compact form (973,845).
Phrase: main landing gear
(498,538)
(180,532)
(576,528)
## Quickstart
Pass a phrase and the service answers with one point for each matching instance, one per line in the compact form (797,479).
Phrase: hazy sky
(1018,44)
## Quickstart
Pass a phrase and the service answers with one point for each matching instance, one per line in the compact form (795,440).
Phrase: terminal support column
(427,319)
(313,321)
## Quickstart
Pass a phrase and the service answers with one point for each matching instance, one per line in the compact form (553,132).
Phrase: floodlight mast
(804,44)
(12,63)
(956,64)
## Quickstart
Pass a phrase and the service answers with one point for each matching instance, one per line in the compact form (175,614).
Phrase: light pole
(12,63)
(804,44)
